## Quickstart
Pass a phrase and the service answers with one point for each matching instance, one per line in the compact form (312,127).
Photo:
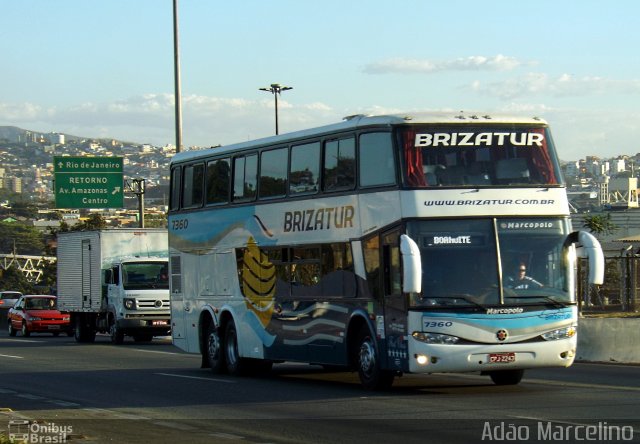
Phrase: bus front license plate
(159,323)
(502,358)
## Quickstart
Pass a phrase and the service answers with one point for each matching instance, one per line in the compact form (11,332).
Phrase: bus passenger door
(395,303)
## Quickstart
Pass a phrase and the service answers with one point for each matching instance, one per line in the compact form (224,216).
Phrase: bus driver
(522,281)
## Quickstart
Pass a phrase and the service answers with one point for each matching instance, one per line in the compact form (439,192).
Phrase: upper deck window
(340,164)
(304,174)
(273,173)
(193,189)
(375,158)
(245,177)
(500,155)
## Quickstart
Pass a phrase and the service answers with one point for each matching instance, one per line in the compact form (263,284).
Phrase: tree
(94,222)
(13,279)
(20,238)
(600,224)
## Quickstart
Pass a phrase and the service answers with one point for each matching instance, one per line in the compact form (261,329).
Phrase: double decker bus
(383,244)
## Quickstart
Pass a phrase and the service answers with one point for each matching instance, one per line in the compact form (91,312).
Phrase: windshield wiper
(464,298)
(552,301)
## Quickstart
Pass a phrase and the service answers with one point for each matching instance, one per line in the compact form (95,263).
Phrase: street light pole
(276,89)
(176,71)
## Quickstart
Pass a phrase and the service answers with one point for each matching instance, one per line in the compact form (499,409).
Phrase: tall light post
(176,71)
(276,89)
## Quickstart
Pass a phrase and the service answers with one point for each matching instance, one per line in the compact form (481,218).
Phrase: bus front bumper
(436,358)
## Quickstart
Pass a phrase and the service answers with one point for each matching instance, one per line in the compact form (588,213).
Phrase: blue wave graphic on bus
(211,229)
(512,320)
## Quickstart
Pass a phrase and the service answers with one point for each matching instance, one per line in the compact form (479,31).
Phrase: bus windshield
(441,156)
(460,262)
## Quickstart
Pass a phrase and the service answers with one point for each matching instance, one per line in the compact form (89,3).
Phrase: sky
(105,68)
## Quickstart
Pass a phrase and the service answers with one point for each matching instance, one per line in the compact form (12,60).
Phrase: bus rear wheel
(506,377)
(372,377)
(213,349)
(235,364)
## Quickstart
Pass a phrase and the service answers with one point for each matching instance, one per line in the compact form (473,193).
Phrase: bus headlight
(560,333)
(435,338)
(130,304)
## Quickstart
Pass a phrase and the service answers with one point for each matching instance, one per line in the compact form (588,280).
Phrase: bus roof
(362,121)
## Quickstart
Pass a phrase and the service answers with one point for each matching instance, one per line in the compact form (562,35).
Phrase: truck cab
(135,299)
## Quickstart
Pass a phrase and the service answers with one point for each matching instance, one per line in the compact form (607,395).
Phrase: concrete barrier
(609,340)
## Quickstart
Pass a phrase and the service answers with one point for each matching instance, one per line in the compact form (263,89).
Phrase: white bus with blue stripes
(386,245)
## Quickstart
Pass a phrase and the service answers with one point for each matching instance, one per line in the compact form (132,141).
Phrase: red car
(38,314)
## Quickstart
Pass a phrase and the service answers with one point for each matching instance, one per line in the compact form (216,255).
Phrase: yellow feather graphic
(258,282)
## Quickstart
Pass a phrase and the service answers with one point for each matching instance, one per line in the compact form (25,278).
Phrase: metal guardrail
(30,266)
(620,291)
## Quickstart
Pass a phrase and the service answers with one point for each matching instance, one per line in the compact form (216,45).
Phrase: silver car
(7,300)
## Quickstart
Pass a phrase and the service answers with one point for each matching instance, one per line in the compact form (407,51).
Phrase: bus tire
(214,352)
(235,364)
(506,377)
(367,360)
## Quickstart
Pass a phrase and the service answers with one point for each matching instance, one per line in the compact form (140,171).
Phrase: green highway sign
(88,182)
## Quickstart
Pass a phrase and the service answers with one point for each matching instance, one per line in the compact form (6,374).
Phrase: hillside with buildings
(27,173)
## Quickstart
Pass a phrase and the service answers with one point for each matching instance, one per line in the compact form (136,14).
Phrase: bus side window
(245,177)
(174,203)
(193,186)
(218,179)
(339,164)
(376,162)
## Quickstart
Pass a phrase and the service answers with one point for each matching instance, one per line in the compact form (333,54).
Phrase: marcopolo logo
(500,311)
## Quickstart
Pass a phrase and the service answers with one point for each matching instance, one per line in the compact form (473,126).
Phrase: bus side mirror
(592,250)
(411,265)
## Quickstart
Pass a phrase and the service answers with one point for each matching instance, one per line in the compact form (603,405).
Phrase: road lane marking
(197,377)
(175,425)
(115,413)
(61,403)
(12,356)
(526,380)
(162,352)
(226,436)
(18,340)
(30,396)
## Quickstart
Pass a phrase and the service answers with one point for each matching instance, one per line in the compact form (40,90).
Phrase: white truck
(115,281)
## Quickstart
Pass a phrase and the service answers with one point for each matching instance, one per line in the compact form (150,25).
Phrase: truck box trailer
(115,281)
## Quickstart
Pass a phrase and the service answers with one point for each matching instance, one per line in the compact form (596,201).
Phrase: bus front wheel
(506,377)
(372,377)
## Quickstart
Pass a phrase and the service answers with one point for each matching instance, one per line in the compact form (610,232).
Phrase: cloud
(427,66)
(564,85)
(150,118)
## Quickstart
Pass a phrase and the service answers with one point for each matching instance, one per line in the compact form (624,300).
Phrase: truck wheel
(372,377)
(117,336)
(25,330)
(213,352)
(83,332)
(235,364)
(12,331)
(506,377)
